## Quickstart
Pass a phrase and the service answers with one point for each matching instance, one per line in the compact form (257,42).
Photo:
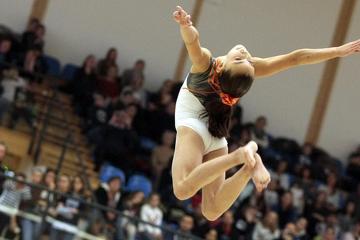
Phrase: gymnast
(203,113)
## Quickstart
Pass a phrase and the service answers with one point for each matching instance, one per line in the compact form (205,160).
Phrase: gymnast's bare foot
(260,176)
(246,155)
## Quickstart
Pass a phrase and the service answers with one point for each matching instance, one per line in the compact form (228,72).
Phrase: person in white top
(151,212)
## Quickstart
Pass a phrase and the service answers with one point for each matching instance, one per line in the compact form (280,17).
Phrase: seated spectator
(316,212)
(131,208)
(3,168)
(268,228)
(137,88)
(137,71)
(31,229)
(151,212)
(328,234)
(289,231)
(5,57)
(33,37)
(259,134)
(211,234)
(161,155)
(159,99)
(285,209)
(186,225)
(11,197)
(353,167)
(31,65)
(115,142)
(305,158)
(99,113)
(226,229)
(301,226)
(109,61)
(109,195)
(107,85)
(347,218)
(281,175)
(84,84)
(354,234)
(298,196)
(246,222)
(271,195)
(334,196)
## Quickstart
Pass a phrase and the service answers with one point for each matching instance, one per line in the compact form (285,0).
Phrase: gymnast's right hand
(182,17)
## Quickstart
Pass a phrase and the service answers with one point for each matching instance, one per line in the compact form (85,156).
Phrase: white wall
(144,29)
(15,13)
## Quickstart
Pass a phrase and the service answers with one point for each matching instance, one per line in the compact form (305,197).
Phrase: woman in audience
(108,85)
(31,65)
(268,228)
(109,61)
(161,155)
(84,85)
(131,207)
(30,230)
(63,210)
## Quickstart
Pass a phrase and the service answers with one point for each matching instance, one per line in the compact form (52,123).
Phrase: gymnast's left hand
(349,48)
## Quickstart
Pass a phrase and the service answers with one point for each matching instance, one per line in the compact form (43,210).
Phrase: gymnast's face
(238,61)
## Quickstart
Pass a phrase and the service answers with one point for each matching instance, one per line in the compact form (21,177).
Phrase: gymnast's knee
(210,212)
(182,191)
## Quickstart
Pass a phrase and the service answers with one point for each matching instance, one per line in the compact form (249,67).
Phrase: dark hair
(219,114)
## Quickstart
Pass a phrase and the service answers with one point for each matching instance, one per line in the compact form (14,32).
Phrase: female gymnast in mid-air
(203,112)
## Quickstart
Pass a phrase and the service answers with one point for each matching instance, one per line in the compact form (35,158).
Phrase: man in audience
(186,225)
(285,209)
(133,73)
(268,228)
(226,229)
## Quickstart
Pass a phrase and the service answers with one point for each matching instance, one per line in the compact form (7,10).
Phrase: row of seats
(135,183)
(54,68)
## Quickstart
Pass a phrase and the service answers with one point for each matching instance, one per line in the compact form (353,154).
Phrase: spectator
(137,88)
(329,234)
(109,195)
(63,210)
(31,229)
(298,196)
(226,229)
(107,62)
(259,134)
(268,228)
(107,85)
(246,223)
(151,212)
(281,175)
(3,168)
(83,85)
(115,142)
(99,113)
(31,65)
(131,208)
(316,213)
(289,232)
(136,72)
(347,218)
(354,234)
(301,225)
(161,155)
(211,234)
(186,225)
(33,37)
(334,196)
(5,47)
(271,195)
(353,167)
(285,209)
(162,97)
(13,193)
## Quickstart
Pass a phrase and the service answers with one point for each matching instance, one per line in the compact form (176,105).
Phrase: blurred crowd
(312,195)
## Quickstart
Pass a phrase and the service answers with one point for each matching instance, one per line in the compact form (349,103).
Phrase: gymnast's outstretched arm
(199,56)
(272,65)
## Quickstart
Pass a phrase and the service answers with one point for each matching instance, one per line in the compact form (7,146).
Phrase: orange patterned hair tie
(215,84)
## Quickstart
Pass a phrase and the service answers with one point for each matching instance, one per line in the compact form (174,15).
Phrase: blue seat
(108,171)
(53,65)
(139,183)
(69,71)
